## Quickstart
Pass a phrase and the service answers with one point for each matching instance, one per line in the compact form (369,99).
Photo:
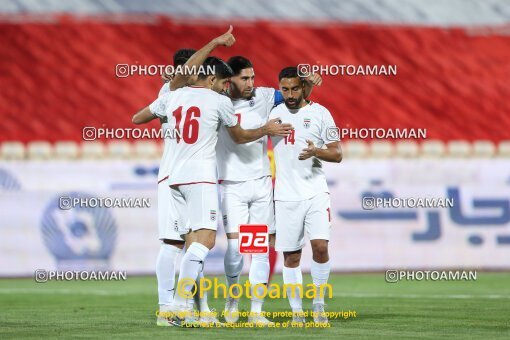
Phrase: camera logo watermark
(127,70)
(371,203)
(91,133)
(333,134)
(43,275)
(305,70)
(67,203)
(393,276)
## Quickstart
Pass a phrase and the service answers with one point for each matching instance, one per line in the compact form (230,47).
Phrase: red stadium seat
(450,82)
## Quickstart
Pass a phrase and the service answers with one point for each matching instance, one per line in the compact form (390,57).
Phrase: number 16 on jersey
(190,127)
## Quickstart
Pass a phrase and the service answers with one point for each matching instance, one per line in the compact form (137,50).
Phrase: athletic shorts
(167,229)
(194,207)
(247,202)
(293,218)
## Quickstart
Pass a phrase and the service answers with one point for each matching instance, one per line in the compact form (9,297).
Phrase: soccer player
(196,112)
(245,180)
(171,241)
(301,194)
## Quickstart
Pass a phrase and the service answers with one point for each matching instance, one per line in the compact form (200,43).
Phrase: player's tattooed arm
(311,81)
(272,128)
(227,39)
(143,116)
(332,153)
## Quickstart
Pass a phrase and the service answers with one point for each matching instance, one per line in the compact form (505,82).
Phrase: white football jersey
(243,162)
(194,114)
(163,164)
(164,89)
(298,180)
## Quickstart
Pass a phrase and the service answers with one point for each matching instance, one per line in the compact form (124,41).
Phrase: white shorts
(294,217)
(194,206)
(167,229)
(247,202)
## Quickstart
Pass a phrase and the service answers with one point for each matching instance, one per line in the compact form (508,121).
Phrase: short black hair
(288,72)
(182,56)
(221,68)
(239,63)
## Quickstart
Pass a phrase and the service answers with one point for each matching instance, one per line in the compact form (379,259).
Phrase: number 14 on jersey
(291,138)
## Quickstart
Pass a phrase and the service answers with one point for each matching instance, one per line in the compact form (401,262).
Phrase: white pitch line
(348,295)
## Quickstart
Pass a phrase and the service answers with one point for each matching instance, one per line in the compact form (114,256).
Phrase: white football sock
(259,274)
(294,276)
(165,273)
(191,264)
(320,274)
(233,262)
(201,302)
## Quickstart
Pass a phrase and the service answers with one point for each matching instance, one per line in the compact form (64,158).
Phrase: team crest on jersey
(306,123)
(252,102)
(213,215)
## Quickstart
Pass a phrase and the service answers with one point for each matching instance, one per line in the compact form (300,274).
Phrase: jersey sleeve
(226,112)
(272,96)
(158,107)
(164,89)
(329,131)
(278,97)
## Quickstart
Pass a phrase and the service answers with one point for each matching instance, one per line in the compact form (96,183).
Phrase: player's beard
(247,94)
(236,93)
(293,103)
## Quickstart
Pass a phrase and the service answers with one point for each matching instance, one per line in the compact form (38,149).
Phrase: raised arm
(197,59)
(311,81)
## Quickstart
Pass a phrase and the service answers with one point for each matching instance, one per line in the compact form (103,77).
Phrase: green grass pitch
(126,309)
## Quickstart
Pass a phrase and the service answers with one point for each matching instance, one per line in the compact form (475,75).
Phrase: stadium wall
(473,234)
